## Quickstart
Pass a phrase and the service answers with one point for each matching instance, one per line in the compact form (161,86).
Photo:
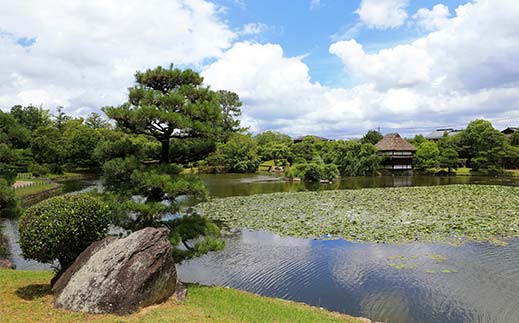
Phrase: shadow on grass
(32,292)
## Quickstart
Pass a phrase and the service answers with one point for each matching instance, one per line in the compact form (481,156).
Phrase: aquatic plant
(451,213)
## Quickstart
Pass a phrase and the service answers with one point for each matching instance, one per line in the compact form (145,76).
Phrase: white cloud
(404,65)
(432,19)
(254,28)
(278,93)
(464,54)
(314,4)
(84,58)
(462,71)
(383,14)
(86,52)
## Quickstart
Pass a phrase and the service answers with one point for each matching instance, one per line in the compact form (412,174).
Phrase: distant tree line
(480,147)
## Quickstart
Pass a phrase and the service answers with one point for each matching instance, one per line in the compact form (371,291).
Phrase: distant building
(399,153)
(299,139)
(510,130)
(439,133)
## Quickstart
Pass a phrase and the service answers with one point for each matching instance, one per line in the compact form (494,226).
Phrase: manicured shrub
(313,172)
(62,227)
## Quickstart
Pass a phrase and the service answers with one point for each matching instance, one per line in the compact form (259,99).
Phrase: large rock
(119,275)
(6,264)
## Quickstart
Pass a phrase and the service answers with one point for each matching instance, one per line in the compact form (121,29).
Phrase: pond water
(480,282)
(247,184)
(476,282)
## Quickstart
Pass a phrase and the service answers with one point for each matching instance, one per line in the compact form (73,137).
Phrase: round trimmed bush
(62,227)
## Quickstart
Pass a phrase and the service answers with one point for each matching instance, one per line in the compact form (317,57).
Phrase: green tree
(48,146)
(427,156)
(514,138)
(238,155)
(191,150)
(356,159)
(95,121)
(372,137)
(142,195)
(61,119)
(30,116)
(313,172)
(13,133)
(482,145)
(167,104)
(448,158)
(117,144)
(274,151)
(417,140)
(80,143)
(304,151)
(272,137)
(230,105)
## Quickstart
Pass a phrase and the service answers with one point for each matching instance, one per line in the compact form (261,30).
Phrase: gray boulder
(119,275)
(6,264)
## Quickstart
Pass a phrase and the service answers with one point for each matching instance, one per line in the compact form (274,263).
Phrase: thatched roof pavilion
(393,142)
(398,152)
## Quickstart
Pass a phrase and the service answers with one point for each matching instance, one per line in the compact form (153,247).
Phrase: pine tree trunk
(164,155)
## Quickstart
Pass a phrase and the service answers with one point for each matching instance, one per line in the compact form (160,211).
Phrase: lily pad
(451,214)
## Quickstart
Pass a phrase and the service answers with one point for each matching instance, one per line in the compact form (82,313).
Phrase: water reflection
(247,184)
(10,231)
(354,278)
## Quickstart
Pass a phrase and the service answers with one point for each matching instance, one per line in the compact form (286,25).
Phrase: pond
(414,282)
(476,282)
(246,184)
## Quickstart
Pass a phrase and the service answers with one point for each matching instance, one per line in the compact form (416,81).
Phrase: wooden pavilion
(398,152)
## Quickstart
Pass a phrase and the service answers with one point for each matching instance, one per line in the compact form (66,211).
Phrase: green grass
(264,166)
(41,186)
(449,213)
(64,176)
(192,170)
(464,171)
(25,297)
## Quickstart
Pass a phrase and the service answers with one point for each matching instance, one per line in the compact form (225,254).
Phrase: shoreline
(203,303)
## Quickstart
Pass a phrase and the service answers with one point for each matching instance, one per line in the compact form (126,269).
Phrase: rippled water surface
(479,282)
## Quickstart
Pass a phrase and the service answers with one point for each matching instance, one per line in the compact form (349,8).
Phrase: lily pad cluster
(452,213)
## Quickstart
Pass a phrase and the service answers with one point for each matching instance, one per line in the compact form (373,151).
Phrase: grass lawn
(192,170)
(264,167)
(64,176)
(464,171)
(24,297)
(40,186)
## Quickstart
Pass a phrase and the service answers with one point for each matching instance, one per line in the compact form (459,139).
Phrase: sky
(324,67)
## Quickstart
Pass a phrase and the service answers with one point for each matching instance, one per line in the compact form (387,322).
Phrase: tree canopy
(169,103)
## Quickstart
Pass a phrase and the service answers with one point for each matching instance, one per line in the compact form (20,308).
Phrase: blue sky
(334,68)
(309,31)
